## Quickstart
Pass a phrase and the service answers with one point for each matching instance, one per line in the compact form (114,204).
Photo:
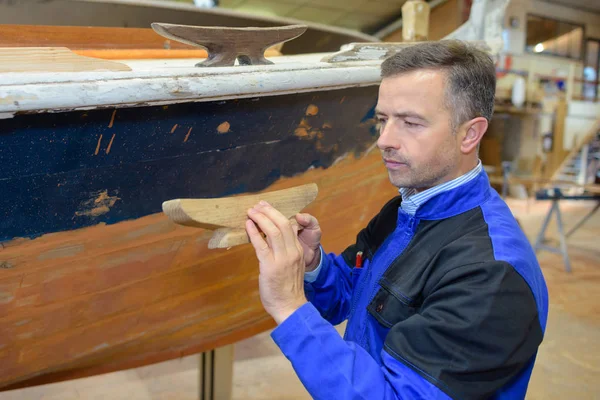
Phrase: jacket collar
(411,201)
(458,200)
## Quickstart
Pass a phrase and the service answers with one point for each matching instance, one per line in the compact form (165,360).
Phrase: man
(447,300)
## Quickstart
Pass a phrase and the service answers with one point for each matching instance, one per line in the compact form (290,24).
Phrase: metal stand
(216,374)
(583,220)
(541,239)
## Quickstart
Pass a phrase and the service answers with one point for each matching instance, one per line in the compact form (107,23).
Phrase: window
(557,38)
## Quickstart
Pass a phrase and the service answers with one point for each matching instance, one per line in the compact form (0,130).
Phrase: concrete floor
(568,364)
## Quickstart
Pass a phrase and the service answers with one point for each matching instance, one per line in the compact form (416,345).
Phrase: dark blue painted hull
(68,170)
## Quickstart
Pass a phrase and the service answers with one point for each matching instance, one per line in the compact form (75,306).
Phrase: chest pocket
(389,308)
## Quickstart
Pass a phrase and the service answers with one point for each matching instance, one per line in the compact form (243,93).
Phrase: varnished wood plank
(52,59)
(142,54)
(81,37)
(105,43)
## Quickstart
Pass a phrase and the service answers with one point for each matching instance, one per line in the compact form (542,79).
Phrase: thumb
(307,221)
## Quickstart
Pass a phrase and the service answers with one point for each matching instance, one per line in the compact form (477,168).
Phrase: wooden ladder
(581,167)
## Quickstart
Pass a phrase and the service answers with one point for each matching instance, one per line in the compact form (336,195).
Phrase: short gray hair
(470,75)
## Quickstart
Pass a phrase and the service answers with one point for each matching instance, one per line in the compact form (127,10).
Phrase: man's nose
(387,139)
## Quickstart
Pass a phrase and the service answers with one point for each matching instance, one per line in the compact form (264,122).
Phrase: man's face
(416,139)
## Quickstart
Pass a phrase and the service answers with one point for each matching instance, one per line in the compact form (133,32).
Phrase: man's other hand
(310,239)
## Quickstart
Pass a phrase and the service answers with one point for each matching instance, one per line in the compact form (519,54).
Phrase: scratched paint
(99,204)
(101,346)
(6,297)
(142,256)
(312,110)
(307,131)
(224,127)
(98,145)
(187,135)
(8,289)
(55,166)
(62,252)
(154,229)
(303,130)
(110,143)
(112,119)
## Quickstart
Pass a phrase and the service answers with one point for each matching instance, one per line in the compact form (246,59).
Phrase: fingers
(274,235)
(295,226)
(260,246)
(285,226)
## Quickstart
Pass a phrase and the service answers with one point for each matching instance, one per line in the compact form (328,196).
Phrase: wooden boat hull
(95,278)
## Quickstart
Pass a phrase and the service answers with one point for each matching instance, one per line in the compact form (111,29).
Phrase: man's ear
(475,129)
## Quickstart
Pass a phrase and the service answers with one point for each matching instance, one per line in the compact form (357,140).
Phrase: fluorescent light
(538,48)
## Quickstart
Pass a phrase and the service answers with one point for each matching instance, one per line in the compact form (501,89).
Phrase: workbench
(556,195)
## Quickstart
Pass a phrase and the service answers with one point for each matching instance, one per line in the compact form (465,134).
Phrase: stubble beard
(429,175)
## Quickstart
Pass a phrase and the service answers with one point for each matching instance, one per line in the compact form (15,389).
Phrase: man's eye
(410,124)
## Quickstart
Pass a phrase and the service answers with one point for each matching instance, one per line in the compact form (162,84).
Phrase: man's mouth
(393,164)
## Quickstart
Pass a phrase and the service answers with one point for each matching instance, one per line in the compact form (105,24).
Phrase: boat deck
(166,81)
